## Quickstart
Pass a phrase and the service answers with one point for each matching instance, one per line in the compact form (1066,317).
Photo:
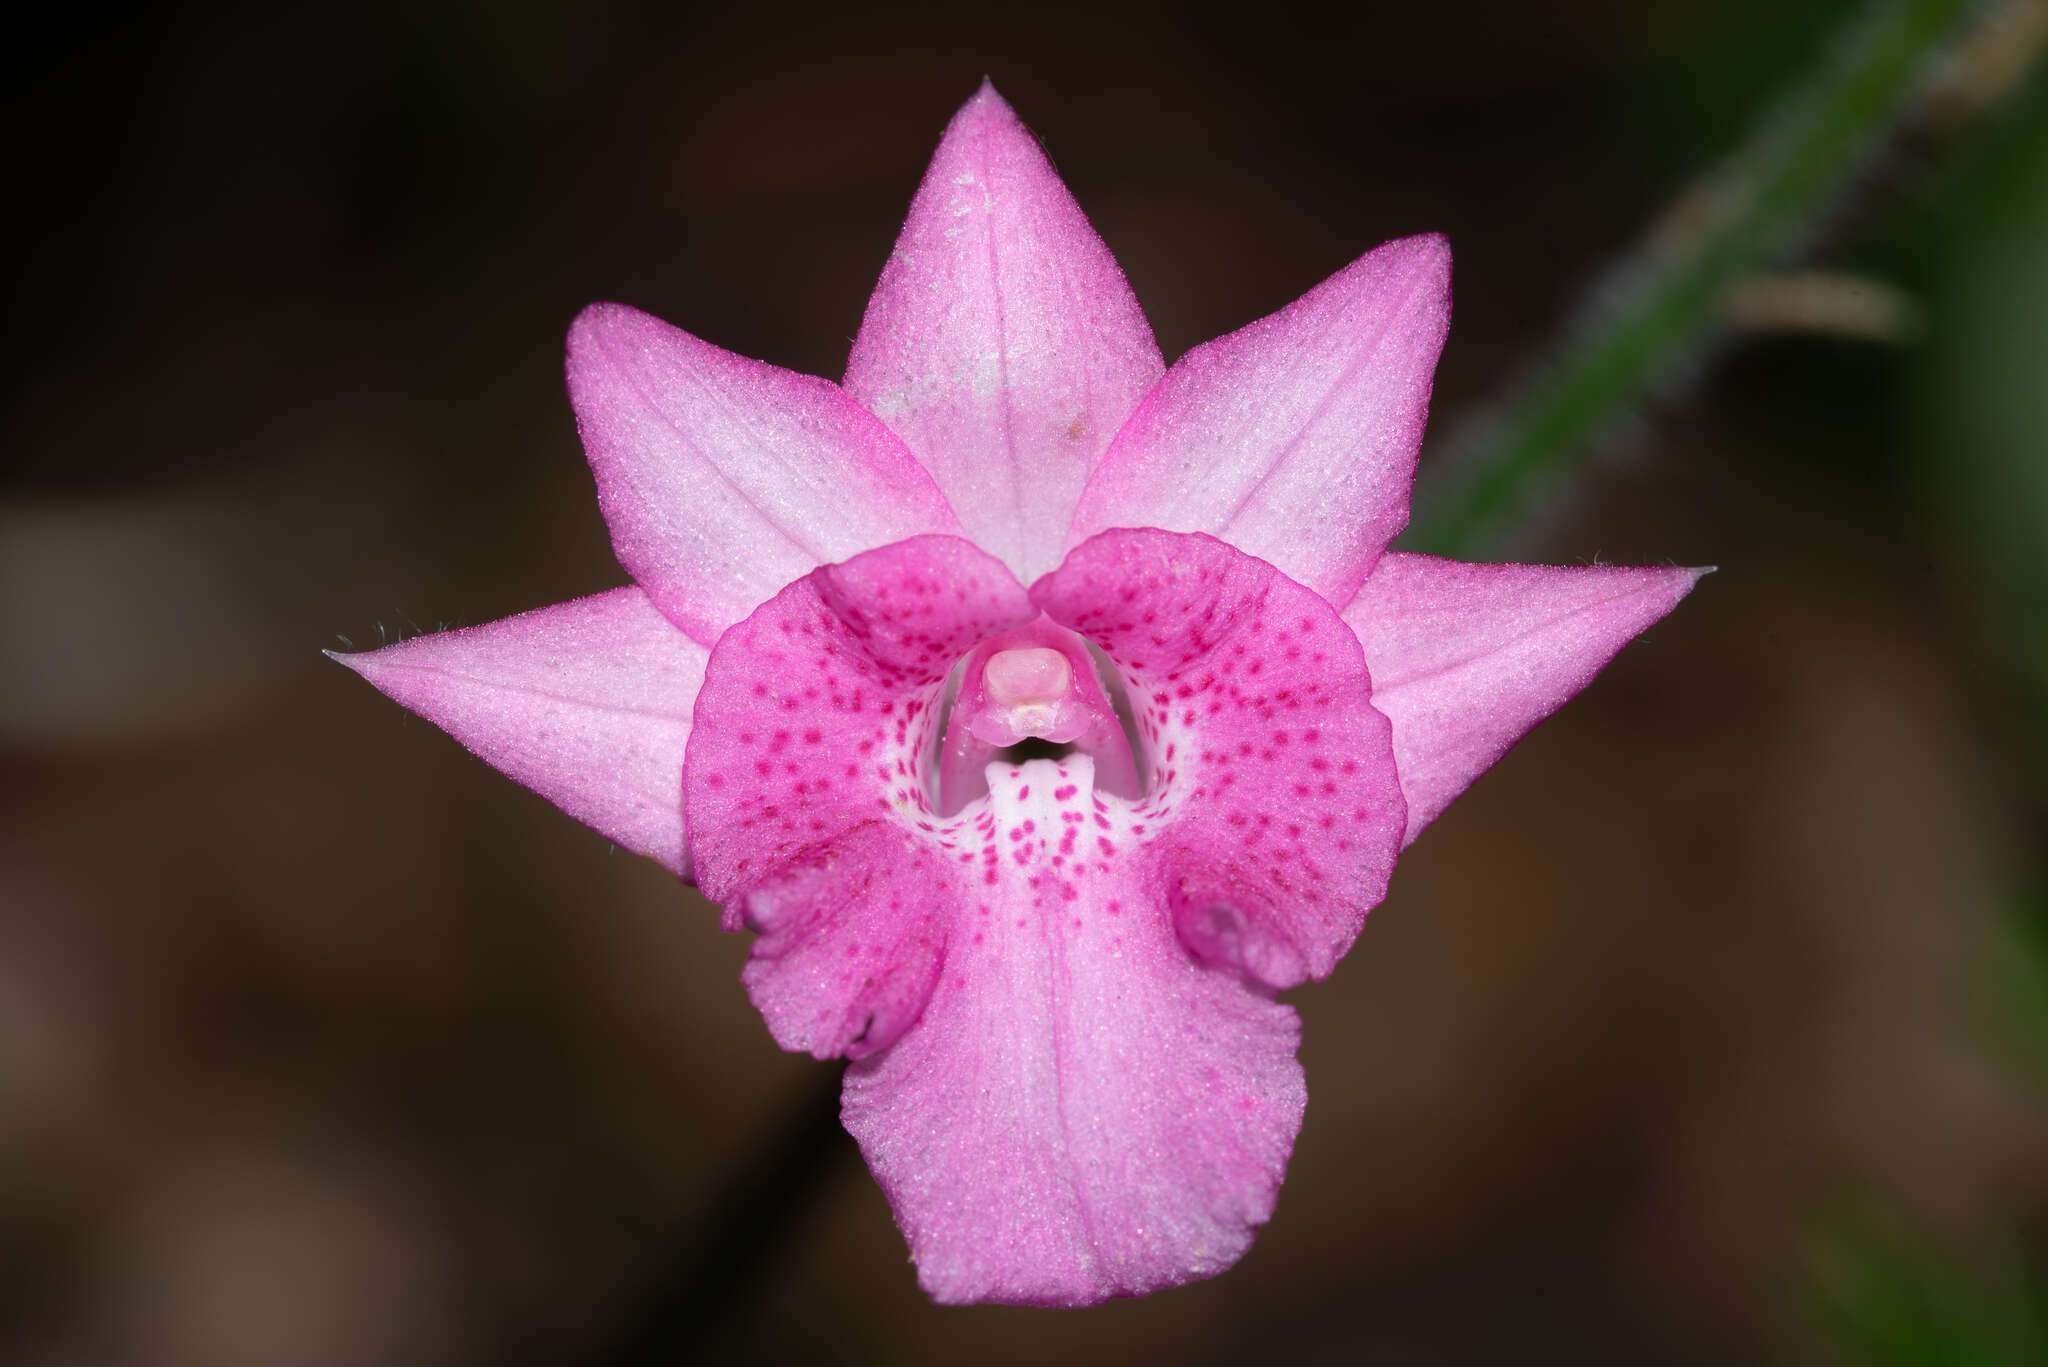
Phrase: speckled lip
(1046,909)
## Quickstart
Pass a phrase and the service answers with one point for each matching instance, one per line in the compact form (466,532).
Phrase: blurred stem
(1663,299)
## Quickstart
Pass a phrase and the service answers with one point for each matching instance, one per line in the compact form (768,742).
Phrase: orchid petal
(1467,658)
(1294,439)
(587,702)
(1002,342)
(722,479)
(807,806)
(1083,1111)
(1273,799)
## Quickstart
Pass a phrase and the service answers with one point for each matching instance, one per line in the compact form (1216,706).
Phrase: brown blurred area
(322,1044)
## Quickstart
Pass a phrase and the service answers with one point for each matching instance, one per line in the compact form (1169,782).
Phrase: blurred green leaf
(2018,974)
(1880,1300)
(1657,306)
(1983,401)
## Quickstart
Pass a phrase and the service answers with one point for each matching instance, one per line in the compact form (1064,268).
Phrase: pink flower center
(1030,683)
(1034,687)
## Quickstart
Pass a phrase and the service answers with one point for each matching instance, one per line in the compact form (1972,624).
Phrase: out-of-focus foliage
(1883,1292)
(1984,419)
(1658,305)
(1883,1302)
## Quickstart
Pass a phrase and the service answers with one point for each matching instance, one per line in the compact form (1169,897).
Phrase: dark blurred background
(322,1044)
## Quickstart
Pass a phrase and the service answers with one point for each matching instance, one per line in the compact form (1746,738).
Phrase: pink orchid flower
(859,609)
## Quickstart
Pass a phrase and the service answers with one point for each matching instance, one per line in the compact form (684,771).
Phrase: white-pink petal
(587,702)
(723,478)
(1466,658)
(1295,438)
(1002,342)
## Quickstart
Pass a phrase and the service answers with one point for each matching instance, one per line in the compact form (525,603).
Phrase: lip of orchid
(1070,1072)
